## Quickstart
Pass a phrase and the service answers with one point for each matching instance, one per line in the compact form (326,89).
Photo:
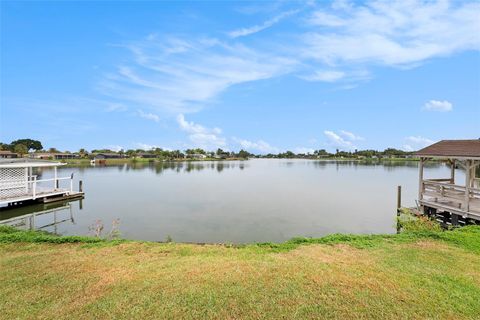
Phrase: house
(196,156)
(53,155)
(108,155)
(5,154)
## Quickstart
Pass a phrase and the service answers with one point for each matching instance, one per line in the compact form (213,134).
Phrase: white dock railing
(33,187)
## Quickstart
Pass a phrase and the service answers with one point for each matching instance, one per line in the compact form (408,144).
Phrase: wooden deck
(442,195)
(41,196)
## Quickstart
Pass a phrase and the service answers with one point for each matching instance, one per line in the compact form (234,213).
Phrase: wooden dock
(19,184)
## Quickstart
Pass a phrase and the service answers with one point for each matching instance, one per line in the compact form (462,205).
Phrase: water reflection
(161,167)
(46,217)
(386,164)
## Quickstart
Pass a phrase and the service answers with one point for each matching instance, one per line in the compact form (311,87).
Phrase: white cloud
(115,148)
(201,136)
(321,18)
(337,141)
(149,116)
(343,139)
(113,106)
(177,75)
(303,150)
(259,145)
(436,105)
(419,140)
(146,146)
(392,33)
(267,24)
(351,136)
(414,143)
(408,148)
(325,76)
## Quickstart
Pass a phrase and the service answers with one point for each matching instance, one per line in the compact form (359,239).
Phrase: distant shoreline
(158,160)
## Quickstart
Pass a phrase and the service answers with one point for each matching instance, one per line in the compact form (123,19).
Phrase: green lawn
(421,274)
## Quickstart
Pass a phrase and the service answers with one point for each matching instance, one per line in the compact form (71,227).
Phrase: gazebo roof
(464,149)
(28,163)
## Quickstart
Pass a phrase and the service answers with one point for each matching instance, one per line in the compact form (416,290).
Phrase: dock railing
(442,191)
(32,187)
(34,184)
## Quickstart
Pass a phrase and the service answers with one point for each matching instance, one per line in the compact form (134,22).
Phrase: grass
(421,273)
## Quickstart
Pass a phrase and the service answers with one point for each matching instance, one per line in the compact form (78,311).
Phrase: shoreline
(157,160)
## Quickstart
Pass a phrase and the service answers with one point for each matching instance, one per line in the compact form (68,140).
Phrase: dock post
(399,205)
(399,197)
(55,177)
(454,219)
(80,186)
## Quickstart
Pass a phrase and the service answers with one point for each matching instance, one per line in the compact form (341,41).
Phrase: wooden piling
(399,197)
(399,205)
(80,186)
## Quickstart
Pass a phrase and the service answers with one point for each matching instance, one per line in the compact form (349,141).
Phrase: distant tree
(244,154)
(177,154)
(83,153)
(289,154)
(102,151)
(30,144)
(5,146)
(130,153)
(20,149)
(53,150)
(321,153)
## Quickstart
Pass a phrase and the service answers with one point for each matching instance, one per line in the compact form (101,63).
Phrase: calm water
(243,201)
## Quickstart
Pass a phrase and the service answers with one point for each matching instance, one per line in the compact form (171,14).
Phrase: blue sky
(263,76)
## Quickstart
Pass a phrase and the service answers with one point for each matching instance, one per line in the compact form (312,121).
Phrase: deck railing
(463,197)
(31,187)
(34,183)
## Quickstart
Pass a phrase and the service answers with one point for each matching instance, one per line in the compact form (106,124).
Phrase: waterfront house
(108,155)
(6,154)
(54,155)
(446,195)
(196,156)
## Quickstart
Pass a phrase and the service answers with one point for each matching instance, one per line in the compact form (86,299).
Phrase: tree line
(24,146)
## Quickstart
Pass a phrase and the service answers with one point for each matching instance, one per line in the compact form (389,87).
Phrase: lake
(257,200)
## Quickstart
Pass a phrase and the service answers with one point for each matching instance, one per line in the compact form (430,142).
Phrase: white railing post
(26,180)
(467,185)
(55,178)
(34,186)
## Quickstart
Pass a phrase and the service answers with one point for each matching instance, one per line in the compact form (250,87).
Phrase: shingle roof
(452,148)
